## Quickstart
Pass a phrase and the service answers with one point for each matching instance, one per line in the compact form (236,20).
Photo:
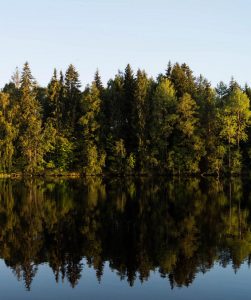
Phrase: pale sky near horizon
(212,37)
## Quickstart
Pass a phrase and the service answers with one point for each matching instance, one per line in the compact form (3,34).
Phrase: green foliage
(164,117)
(55,101)
(8,134)
(94,160)
(120,162)
(30,126)
(216,159)
(62,154)
(72,97)
(188,146)
(93,155)
(140,114)
(183,80)
(177,124)
(234,118)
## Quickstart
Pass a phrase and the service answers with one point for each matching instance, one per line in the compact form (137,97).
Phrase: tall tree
(8,133)
(164,117)
(93,154)
(32,143)
(114,109)
(98,82)
(55,101)
(188,146)
(208,105)
(139,118)
(129,92)
(234,117)
(183,80)
(72,98)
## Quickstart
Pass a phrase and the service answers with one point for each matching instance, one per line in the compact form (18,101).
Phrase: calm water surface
(125,239)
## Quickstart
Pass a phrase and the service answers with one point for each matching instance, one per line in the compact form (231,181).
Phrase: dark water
(125,239)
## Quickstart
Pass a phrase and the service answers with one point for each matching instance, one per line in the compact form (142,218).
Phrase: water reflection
(137,226)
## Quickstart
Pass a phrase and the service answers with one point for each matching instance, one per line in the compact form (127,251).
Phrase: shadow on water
(137,226)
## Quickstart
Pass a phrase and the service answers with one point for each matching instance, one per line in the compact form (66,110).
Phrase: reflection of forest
(137,226)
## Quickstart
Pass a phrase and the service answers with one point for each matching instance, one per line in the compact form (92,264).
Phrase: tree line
(176,124)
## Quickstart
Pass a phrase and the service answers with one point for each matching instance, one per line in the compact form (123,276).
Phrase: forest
(175,125)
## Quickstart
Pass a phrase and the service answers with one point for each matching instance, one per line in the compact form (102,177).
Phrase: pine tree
(139,117)
(221,90)
(98,82)
(129,92)
(55,101)
(30,124)
(72,98)
(169,70)
(93,155)
(176,123)
(114,109)
(183,80)
(104,109)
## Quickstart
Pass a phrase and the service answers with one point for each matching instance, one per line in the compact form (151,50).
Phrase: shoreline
(114,175)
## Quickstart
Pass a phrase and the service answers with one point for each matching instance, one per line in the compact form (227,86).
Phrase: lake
(134,238)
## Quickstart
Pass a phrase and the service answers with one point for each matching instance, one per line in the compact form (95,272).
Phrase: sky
(211,36)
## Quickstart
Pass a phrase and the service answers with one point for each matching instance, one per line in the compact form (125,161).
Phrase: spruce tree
(98,82)
(33,141)
(30,126)
(72,98)
(139,118)
(183,80)
(93,154)
(115,106)
(128,104)
(55,101)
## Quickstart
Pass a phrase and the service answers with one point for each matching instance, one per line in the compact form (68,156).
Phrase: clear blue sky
(212,36)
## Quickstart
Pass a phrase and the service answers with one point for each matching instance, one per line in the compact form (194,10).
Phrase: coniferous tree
(114,114)
(72,98)
(169,70)
(174,124)
(33,142)
(139,118)
(60,156)
(128,104)
(98,82)
(55,101)
(93,155)
(212,162)
(183,80)
(115,106)
(30,126)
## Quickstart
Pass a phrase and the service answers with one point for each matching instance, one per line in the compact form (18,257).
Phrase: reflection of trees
(179,228)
